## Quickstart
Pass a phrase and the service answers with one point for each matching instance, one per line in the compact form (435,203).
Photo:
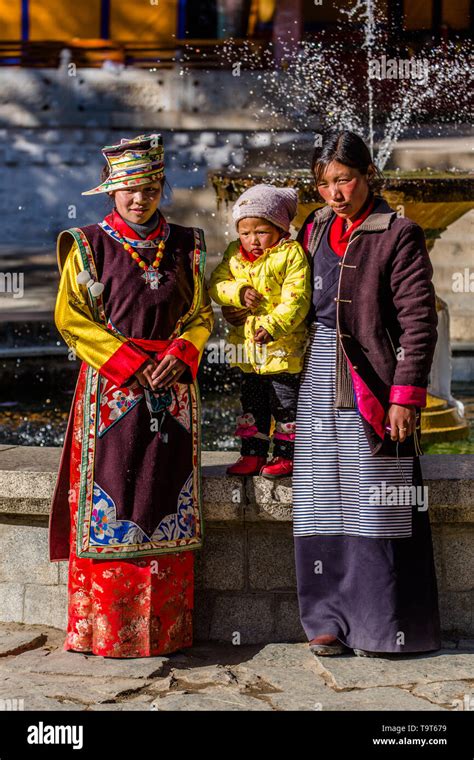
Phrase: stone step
(249,524)
(452,252)
(443,274)
(461,326)
(457,302)
(437,153)
(445,271)
(28,331)
(461,229)
(463,369)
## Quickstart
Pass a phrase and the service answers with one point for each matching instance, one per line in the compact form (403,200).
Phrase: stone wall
(52,126)
(44,172)
(245,577)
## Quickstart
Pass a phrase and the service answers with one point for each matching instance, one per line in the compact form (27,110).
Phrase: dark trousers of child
(263,397)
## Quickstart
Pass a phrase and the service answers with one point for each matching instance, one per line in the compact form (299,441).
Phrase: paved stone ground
(210,676)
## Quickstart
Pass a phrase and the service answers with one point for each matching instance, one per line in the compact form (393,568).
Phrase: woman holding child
(364,558)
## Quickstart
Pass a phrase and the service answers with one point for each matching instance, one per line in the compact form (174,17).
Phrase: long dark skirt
(364,556)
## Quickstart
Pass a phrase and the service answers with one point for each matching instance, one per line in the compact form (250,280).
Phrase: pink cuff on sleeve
(407,394)
(123,364)
(185,350)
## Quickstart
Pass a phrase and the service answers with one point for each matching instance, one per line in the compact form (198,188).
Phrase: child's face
(257,234)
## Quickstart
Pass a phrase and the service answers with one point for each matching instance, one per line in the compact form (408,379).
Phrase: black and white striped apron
(362,536)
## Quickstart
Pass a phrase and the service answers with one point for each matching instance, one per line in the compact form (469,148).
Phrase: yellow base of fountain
(441,422)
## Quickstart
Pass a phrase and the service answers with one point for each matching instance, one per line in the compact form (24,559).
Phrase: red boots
(247,465)
(278,467)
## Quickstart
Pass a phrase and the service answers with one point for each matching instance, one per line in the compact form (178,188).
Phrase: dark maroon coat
(386,302)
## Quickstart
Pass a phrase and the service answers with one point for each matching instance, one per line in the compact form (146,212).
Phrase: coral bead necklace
(150,272)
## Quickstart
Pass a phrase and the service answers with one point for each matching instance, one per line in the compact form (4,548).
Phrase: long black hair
(349,149)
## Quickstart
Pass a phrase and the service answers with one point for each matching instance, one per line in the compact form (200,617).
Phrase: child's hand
(250,297)
(262,336)
(234,316)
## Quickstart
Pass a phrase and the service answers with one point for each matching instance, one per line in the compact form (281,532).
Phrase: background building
(33,31)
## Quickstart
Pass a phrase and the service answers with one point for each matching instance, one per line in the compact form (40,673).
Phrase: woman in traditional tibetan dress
(133,306)
(364,559)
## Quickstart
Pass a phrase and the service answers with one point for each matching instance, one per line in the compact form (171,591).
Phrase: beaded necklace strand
(150,272)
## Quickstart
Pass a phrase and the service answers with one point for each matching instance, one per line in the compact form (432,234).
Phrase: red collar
(120,225)
(249,256)
(339,236)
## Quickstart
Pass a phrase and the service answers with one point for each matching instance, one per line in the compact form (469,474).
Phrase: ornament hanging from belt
(158,403)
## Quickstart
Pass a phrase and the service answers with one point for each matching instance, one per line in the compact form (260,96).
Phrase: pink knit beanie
(275,204)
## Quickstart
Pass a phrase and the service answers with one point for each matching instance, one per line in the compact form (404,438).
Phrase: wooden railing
(94,53)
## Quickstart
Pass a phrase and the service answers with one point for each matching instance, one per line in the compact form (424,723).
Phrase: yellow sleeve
(224,288)
(199,329)
(295,296)
(112,355)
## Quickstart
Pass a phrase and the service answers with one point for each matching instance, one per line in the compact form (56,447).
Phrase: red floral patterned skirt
(125,608)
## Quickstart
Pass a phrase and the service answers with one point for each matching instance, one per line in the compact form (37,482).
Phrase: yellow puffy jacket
(282,275)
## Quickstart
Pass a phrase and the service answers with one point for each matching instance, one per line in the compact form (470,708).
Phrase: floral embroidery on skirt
(125,608)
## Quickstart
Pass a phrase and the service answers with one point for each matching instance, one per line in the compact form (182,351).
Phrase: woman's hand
(401,420)
(250,297)
(235,316)
(144,375)
(262,336)
(168,371)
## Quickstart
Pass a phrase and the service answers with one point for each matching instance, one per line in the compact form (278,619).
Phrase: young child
(263,286)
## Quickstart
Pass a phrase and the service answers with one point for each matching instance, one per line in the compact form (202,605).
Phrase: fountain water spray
(367,10)
(321,85)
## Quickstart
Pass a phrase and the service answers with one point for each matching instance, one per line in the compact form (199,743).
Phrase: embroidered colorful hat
(132,162)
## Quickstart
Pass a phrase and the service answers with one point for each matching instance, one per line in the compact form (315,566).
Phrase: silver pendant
(152,278)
